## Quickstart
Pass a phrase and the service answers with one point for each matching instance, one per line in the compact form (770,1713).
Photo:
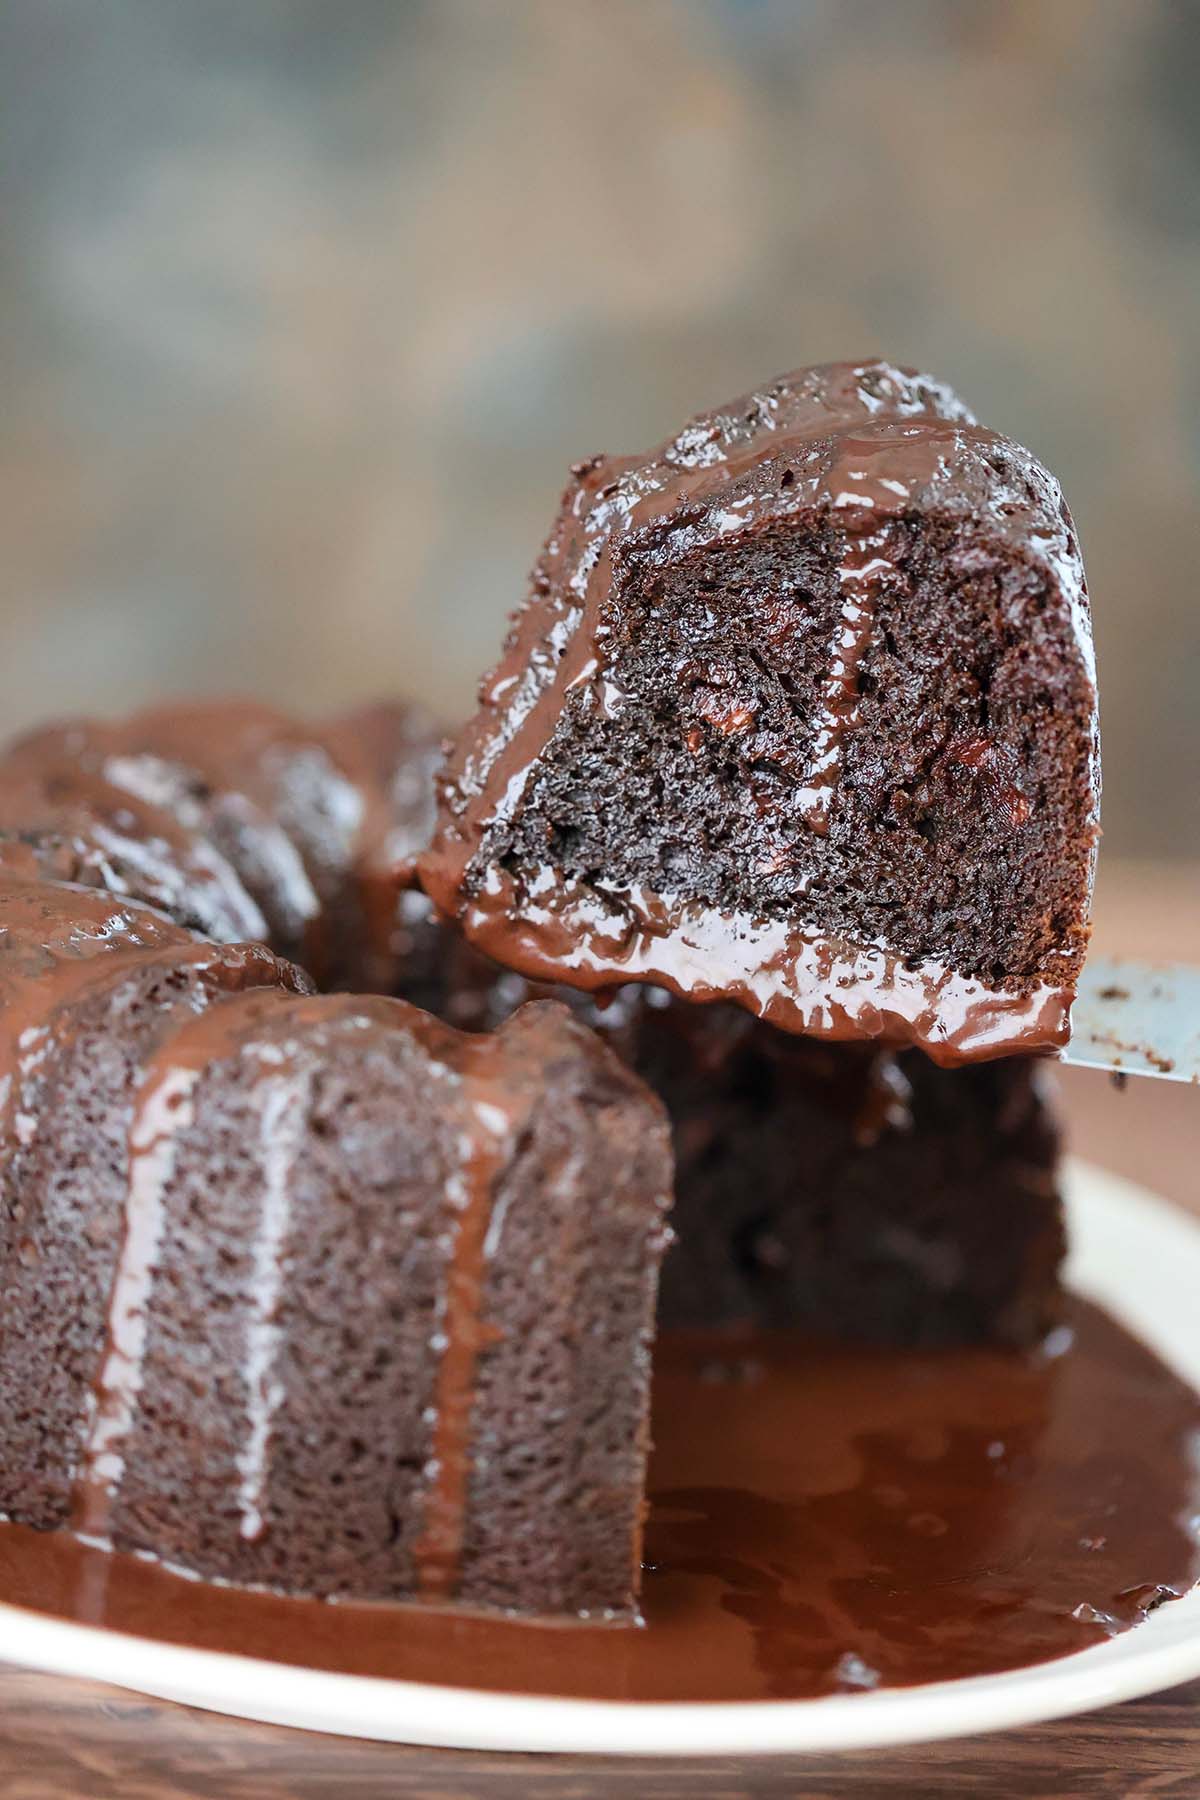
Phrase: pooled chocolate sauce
(823,1518)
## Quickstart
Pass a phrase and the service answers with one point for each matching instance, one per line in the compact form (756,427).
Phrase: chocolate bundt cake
(303,1291)
(800,713)
(316,1292)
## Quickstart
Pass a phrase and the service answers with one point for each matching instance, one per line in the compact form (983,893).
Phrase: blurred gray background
(306,304)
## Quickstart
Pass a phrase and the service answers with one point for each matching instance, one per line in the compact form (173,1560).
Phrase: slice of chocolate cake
(379,1310)
(800,713)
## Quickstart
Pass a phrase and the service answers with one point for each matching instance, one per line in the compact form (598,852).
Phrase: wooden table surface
(63,1739)
(73,1740)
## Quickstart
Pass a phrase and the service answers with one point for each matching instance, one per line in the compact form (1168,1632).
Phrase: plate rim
(1103,1209)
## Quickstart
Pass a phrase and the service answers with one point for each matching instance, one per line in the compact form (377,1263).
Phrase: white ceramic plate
(1138,1257)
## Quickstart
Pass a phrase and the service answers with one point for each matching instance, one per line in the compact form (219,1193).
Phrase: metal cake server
(1134,1019)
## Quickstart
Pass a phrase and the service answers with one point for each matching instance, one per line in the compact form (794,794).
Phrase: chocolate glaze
(54,786)
(58,945)
(205,761)
(318,798)
(247,1026)
(239,820)
(373,769)
(392,752)
(868,444)
(556,929)
(864,562)
(55,943)
(494,1113)
(823,1519)
(119,1378)
(283,1125)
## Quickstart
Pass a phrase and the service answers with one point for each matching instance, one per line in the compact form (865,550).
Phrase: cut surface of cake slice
(854,1191)
(800,713)
(846,1189)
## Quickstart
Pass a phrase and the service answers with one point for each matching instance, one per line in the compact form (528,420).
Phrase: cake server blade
(1132,1018)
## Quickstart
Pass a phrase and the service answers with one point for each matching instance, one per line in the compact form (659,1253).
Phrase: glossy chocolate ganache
(800,713)
(823,1518)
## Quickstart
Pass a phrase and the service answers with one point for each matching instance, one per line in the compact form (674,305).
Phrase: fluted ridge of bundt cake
(800,712)
(241,822)
(90,987)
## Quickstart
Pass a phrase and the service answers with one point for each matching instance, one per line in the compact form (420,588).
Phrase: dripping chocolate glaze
(866,442)
(843,1518)
(212,771)
(55,783)
(863,566)
(376,766)
(492,1119)
(68,845)
(57,942)
(555,929)
(393,752)
(211,765)
(348,768)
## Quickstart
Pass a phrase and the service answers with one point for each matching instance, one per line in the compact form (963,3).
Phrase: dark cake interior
(857,1192)
(861,1195)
